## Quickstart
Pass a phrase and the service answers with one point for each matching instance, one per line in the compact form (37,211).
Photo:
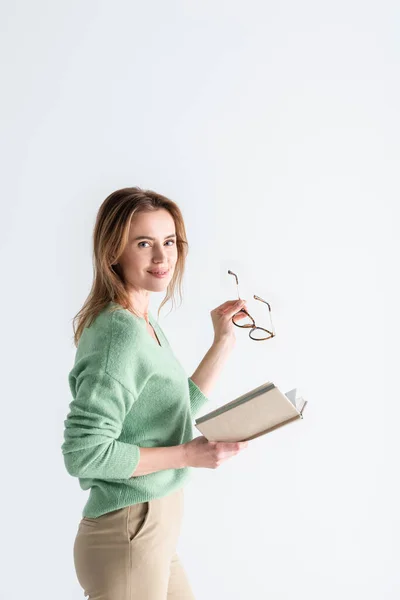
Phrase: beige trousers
(129,553)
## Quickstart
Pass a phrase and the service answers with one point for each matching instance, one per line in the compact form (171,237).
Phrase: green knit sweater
(128,392)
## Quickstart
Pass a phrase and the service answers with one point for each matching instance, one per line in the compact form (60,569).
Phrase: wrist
(226,341)
(184,458)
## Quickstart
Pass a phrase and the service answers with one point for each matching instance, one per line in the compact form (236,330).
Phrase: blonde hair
(110,236)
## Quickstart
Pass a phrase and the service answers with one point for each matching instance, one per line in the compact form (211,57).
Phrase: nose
(159,255)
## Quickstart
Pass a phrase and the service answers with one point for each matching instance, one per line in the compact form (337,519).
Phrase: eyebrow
(147,237)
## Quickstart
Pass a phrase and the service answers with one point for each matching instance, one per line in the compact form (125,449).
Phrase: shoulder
(126,360)
(125,332)
(112,334)
(112,344)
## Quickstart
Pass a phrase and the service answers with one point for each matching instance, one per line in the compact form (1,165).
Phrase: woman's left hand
(222,318)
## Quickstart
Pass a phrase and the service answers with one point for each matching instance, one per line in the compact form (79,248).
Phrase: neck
(142,314)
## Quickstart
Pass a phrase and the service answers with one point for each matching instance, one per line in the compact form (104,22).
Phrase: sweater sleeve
(91,447)
(197,398)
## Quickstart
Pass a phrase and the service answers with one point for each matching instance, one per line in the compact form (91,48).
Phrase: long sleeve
(128,393)
(197,398)
(91,447)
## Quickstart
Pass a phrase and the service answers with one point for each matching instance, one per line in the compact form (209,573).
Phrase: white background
(275,127)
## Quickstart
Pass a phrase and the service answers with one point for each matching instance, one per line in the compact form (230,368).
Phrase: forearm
(160,458)
(205,376)
(207,372)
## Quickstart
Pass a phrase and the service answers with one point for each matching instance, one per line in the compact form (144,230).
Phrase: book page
(292,396)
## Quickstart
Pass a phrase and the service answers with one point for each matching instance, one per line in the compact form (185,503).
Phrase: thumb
(236,307)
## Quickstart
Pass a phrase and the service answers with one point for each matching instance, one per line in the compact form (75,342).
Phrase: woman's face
(156,250)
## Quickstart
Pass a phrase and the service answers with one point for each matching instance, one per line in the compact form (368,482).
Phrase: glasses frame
(253,326)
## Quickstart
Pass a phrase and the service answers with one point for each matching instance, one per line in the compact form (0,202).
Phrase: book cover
(255,413)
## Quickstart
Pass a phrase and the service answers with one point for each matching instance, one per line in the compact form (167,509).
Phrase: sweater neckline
(161,341)
(156,330)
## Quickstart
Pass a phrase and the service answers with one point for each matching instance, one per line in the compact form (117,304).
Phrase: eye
(172,243)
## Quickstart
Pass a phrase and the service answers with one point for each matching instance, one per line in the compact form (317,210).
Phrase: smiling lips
(158,273)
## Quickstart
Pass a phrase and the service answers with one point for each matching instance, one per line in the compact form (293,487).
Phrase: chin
(158,284)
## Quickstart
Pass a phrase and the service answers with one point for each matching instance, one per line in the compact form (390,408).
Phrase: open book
(255,413)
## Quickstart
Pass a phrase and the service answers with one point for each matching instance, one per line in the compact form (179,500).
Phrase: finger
(236,308)
(229,304)
(230,446)
(240,315)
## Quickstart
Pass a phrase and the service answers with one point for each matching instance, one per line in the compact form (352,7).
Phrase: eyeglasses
(255,333)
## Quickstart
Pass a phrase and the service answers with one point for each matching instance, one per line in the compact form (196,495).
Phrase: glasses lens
(242,319)
(260,334)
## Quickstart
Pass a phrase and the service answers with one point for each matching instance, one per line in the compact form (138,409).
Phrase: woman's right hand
(210,455)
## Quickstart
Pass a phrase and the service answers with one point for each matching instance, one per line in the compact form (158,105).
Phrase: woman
(128,434)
